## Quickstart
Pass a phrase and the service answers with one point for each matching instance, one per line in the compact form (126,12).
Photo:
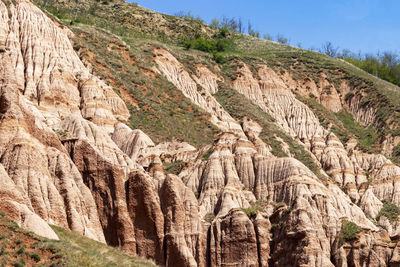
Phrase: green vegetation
(390,211)
(157,107)
(345,127)
(208,153)
(174,167)
(348,232)
(240,107)
(367,136)
(219,43)
(251,211)
(396,154)
(189,16)
(327,118)
(21,248)
(309,66)
(166,114)
(384,65)
(126,19)
(209,217)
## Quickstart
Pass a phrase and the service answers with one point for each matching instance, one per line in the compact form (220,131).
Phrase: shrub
(200,44)
(21,250)
(208,45)
(396,151)
(221,45)
(223,33)
(390,211)
(220,59)
(209,217)
(21,263)
(348,232)
(175,167)
(35,257)
(250,211)
(207,154)
(3,250)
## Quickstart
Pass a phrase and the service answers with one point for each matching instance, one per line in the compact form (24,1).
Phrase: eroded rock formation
(67,159)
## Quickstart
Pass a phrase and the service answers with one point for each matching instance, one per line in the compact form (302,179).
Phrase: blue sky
(358,25)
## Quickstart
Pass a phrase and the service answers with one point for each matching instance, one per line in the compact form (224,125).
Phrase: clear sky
(358,25)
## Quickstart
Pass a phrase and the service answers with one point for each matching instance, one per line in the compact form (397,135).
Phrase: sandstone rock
(148,221)
(13,204)
(66,159)
(233,241)
(185,239)
(106,182)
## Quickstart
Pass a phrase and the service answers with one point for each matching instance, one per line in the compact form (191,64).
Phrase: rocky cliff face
(67,158)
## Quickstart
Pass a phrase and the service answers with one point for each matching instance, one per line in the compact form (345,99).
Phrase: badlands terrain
(260,155)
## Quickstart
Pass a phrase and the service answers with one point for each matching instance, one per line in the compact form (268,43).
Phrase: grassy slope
(241,107)
(136,26)
(157,107)
(307,64)
(21,248)
(344,126)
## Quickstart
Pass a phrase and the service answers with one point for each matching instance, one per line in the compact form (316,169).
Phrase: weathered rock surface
(176,73)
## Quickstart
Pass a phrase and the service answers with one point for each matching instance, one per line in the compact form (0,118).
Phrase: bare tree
(267,36)
(346,53)
(229,23)
(240,25)
(329,49)
(249,27)
(215,23)
(282,39)
(389,59)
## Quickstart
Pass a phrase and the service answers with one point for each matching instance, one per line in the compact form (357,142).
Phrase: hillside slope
(259,155)
(22,248)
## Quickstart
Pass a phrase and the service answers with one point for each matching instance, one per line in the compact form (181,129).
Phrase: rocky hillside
(259,155)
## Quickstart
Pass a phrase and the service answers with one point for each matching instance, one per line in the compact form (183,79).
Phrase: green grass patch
(259,205)
(367,136)
(348,232)
(208,153)
(390,211)
(251,211)
(327,118)
(174,167)
(164,112)
(71,250)
(209,217)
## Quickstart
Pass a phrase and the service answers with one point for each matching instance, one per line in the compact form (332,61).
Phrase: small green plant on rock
(209,217)
(348,232)
(35,257)
(390,211)
(207,154)
(252,210)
